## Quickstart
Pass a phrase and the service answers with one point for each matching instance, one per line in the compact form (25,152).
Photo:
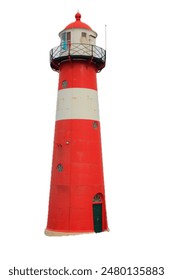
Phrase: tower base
(59,233)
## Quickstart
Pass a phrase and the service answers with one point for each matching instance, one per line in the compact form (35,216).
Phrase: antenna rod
(105,36)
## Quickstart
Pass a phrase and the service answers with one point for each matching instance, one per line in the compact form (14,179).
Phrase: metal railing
(78,50)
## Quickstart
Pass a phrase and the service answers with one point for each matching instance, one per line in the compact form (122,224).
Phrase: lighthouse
(77,195)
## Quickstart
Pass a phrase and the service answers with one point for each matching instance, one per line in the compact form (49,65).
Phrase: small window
(64,84)
(83,34)
(60,167)
(95,125)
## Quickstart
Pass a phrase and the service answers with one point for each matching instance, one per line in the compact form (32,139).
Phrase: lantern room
(77,33)
(78,41)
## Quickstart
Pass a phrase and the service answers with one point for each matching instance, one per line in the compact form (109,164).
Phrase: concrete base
(59,233)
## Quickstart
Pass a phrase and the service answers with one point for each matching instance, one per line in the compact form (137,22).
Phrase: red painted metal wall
(79,74)
(77,148)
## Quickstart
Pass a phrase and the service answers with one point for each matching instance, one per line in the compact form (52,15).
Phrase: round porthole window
(64,83)
(95,125)
(60,167)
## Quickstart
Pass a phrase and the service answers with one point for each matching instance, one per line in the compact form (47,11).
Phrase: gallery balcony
(77,51)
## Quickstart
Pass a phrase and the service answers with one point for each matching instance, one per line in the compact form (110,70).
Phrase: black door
(97,214)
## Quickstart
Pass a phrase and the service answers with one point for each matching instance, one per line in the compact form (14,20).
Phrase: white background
(136,111)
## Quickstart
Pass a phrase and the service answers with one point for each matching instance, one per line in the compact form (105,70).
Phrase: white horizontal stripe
(77,103)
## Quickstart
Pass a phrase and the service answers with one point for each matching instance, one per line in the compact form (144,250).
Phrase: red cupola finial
(78,23)
(78,16)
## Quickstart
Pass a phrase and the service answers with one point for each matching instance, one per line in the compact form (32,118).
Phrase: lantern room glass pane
(64,41)
(69,37)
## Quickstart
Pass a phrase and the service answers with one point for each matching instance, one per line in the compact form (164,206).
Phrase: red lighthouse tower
(77,196)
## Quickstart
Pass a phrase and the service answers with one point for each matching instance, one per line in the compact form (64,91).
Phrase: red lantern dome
(78,23)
